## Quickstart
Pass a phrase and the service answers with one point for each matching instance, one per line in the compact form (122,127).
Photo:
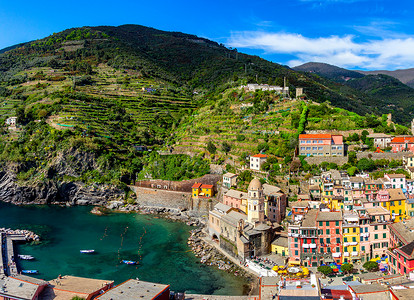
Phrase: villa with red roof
(402,143)
(256,161)
(321,145)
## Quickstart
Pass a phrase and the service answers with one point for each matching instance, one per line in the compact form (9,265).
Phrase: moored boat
(87,251)
(30,271)
(25,257)
(129,262)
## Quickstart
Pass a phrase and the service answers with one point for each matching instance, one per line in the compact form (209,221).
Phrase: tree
(352,157)
(352,170)
(225,147)
(211,147)
(262,147)
(365,164)
(347,268)
(371,266)
(245,176)
(325,270)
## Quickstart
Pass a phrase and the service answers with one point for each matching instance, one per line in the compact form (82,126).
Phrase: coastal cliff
(57,182)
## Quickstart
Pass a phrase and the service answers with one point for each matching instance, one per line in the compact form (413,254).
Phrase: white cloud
(341,51)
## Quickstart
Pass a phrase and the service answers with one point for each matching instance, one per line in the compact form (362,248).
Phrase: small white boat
(87,251)
(25,257)
(30,271)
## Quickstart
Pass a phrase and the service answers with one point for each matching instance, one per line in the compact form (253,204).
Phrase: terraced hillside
(249,122)
(108,103)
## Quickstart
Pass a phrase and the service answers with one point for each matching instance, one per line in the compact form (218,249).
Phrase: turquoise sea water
(159,245)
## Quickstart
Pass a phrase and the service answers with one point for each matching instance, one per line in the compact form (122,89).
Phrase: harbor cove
(159,246)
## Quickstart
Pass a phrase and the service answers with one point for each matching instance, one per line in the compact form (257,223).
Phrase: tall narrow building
(255,203)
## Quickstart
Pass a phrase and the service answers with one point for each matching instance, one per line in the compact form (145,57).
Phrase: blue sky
(355,34)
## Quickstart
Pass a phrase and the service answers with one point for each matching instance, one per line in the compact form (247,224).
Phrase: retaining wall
(171,199)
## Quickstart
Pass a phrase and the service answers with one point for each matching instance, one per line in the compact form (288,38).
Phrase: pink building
(379,235)
(397,180)
(234,198)
(329,226)
(321,145)
(402,143)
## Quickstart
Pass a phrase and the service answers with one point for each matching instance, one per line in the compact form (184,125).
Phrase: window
(320,148)
(337,249)
(345,239)
(328,240)
(338,240)
(376,227)
(321,240)
(296,252)
(384,235)
(384,226)
(320,223)
(337,230)
(353,248)
(337,224)
(327,231)
(327,223)
(376,236)
(354,239)
(363,248)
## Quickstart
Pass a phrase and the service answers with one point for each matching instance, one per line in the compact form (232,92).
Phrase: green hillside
(105,90)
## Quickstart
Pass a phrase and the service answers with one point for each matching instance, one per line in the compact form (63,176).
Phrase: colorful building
(329,226)
(200,190)
(351,238)
(229,180)
(402,143)
(321,145)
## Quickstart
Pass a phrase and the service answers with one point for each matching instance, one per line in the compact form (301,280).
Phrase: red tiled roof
(206,186)
(314,136)
(260,155)
(196,185)
(402,140)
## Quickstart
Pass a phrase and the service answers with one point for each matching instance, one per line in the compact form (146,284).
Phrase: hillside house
(381,140)
(11,121)
(402,143)
(321,145)
(229,180)
(256,161)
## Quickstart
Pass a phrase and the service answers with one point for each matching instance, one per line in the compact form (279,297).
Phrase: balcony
(312,246)
(337,254)
(346,254)
(354,253)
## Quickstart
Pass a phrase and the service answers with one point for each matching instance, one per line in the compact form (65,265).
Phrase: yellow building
(335,203)
(409,208)
(351,238)
(202,190)
(396,204)
(280,246)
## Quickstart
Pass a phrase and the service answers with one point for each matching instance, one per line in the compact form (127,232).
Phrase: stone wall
(179,186)
(317,160)
(386,155)
(345,133)
(171,199)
